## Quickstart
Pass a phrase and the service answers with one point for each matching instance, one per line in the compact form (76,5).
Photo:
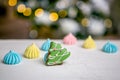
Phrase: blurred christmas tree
(60,17)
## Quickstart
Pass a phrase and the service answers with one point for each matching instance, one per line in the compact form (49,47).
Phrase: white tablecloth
(83,64)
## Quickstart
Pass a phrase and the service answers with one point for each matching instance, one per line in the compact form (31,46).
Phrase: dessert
(32,51)
(109,47)
(46,45)
(70,39)
(12,58)
(56,55)
(89,43)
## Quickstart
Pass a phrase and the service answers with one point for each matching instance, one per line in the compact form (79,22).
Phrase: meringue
(32,51)
(46,45)
(110,48)
(89,43)
(70,39)
(12,58)
(45,57)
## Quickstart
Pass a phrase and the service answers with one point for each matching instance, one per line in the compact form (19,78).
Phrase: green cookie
(56,55)
(54,46)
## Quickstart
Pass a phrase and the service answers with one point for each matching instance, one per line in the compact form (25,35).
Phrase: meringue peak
(70,39)
(89,43)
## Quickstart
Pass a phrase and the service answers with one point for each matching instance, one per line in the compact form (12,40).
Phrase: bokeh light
(21,8)
(62,13)
(12,2)
(27,12)
(33,33)
(108,23)
(84,22)
(39,12)
(53,16)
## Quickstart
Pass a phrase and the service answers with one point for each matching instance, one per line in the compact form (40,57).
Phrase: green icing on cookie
(55,46)
(56,54)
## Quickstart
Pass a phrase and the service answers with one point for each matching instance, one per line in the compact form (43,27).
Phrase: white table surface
(83,64)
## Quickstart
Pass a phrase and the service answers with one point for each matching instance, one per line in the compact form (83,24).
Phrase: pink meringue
(70,39)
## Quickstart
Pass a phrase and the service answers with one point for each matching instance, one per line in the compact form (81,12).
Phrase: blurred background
(41,19)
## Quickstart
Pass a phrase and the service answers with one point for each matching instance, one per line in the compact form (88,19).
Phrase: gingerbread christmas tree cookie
(56,54)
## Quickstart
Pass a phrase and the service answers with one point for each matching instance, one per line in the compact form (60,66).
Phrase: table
(83,64)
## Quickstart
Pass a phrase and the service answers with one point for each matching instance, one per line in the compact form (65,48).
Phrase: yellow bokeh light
(39,12)
(85,22)
(108,23)
(53,16)
(21,8)
(27,12)
(12,2)
(62,13)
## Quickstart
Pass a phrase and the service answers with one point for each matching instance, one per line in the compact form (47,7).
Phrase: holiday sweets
(89,43)
(110,48)
(70,39)
(46,45)
(32,51)
(56,55)
(12,58)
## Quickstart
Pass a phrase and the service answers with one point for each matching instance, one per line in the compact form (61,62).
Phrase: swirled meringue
(70,39)
(110,48)
(89,43)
